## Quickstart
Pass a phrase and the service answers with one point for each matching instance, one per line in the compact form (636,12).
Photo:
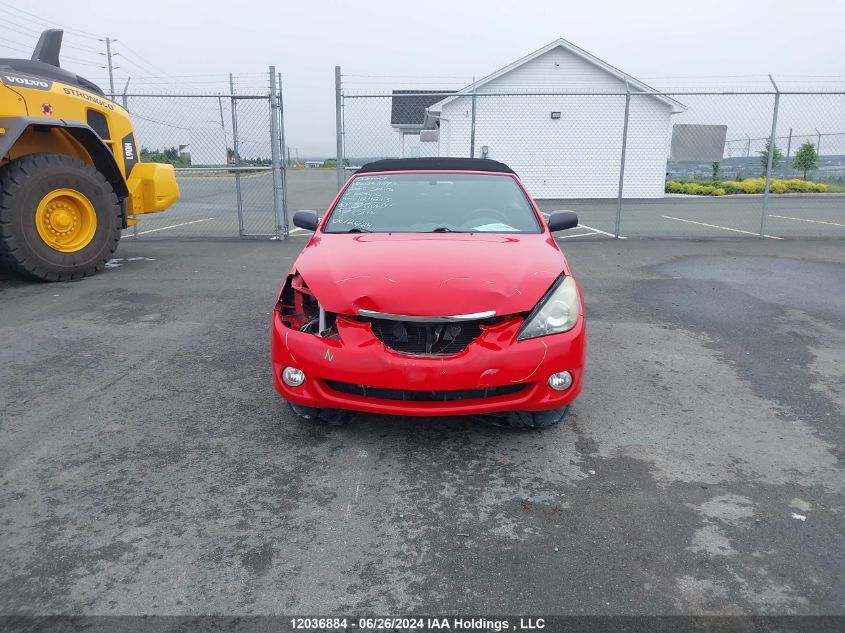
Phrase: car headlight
(556,312)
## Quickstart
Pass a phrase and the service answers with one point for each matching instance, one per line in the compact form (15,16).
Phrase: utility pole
(125,90)
(222,123)
(223,128)
(111,67)
(788,150)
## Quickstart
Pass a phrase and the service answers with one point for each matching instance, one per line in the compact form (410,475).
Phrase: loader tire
(59,217)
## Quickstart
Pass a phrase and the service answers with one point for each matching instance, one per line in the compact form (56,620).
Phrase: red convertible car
(431,287)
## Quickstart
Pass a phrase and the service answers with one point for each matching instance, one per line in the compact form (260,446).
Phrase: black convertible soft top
(450,164)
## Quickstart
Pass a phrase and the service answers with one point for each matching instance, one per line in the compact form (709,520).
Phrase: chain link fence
(227,152)
(631,163)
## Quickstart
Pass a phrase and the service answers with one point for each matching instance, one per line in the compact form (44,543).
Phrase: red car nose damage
(355,369)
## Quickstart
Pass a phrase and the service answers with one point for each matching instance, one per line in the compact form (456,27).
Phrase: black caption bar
(397,624)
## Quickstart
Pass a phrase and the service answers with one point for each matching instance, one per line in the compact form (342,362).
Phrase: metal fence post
(769,161)
(278,204)
(284,162)
(472,123)
(338,105)
(239,205)
(622,161)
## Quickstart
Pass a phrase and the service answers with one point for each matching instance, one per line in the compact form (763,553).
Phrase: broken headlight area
(299,309)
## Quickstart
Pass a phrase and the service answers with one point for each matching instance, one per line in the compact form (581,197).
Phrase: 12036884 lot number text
(318,624)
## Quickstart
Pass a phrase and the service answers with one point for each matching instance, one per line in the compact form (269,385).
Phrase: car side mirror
(559,220)
(307,220)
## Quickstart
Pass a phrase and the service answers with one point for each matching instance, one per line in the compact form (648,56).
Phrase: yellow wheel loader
(70,172)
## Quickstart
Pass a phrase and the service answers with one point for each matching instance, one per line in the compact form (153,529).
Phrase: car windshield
(431,203)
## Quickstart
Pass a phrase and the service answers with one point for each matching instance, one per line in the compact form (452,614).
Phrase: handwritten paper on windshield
(362,200)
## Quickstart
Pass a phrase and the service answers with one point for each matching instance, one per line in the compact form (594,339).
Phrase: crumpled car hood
(430,275)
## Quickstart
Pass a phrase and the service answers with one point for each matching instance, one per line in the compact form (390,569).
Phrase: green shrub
(749,185)
(693,188)
(803,186)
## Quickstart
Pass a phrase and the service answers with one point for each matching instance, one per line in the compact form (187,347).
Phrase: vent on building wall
(555,115)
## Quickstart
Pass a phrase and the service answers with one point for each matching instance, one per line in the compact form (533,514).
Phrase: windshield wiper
(358,229)
(445,229)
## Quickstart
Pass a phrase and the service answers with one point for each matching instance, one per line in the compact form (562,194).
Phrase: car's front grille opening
(426,338)
(409,395)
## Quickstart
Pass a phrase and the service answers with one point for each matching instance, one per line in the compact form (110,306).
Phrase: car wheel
(329,417)
(527,419)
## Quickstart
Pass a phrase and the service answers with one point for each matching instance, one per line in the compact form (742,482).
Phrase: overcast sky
(667,43)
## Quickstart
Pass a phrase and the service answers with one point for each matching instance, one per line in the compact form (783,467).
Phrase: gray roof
(410,110)
(635,84)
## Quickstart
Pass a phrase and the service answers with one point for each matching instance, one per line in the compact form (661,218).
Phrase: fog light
(560,381)
(292,376)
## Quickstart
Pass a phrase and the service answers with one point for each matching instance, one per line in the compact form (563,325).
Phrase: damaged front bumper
(355,370)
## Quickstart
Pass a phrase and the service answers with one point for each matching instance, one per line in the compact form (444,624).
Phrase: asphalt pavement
(148,466)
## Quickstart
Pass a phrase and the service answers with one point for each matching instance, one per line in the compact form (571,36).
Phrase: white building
(564,146)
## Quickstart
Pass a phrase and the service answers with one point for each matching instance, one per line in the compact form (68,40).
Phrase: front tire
(60,219)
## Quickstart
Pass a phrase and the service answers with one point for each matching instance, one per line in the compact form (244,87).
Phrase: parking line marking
(724,228)
(621,237)
(786,217)
(567,237)
(164,228)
